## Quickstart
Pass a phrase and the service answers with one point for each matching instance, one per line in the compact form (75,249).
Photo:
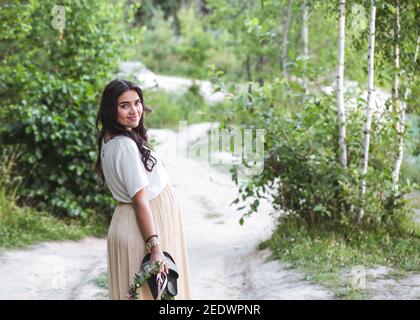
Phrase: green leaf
(319,207)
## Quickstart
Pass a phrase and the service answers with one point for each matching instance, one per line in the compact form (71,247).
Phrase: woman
(148,212)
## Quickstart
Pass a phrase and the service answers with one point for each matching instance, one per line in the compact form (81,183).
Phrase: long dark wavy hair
(107,118)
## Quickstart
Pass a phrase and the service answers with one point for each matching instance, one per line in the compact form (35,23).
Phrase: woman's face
(130,109)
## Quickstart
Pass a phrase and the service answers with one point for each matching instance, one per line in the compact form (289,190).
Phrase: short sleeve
(130,170)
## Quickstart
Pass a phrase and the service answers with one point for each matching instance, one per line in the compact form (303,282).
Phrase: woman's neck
(108,136)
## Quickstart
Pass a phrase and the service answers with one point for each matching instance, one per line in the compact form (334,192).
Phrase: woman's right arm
(146,224)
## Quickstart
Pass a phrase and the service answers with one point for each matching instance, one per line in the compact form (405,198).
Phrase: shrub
(50,82)
(302,171)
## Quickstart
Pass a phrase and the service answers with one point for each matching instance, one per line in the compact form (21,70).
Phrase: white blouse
(125,173)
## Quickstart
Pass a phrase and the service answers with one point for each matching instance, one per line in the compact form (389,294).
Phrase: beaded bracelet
(151,244)
(153,235)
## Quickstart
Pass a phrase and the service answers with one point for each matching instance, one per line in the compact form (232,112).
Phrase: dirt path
(54,270)
(224,262)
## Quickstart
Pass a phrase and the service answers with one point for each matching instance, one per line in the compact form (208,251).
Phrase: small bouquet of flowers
(146,273)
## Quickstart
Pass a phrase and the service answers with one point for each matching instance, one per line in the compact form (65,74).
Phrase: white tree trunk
(305,40)
(407,89)
(340,86)
(401,128)
(285,38)
(395,98)
(370,101)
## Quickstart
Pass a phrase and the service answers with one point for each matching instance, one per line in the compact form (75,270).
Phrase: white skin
(130,111)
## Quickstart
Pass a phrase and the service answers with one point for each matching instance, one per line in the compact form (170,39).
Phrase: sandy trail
(54,270)
(223,257)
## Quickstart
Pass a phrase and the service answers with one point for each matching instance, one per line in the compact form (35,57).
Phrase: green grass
(168,109)
(327,257)
(23,226)
(102,280)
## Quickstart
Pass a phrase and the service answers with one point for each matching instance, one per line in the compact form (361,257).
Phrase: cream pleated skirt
(126,249)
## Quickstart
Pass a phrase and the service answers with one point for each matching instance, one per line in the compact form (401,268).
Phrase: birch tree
(370,101)
(305,40)
(401,128)
(285,38)
(395,97)
(407,89)
(340,85)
